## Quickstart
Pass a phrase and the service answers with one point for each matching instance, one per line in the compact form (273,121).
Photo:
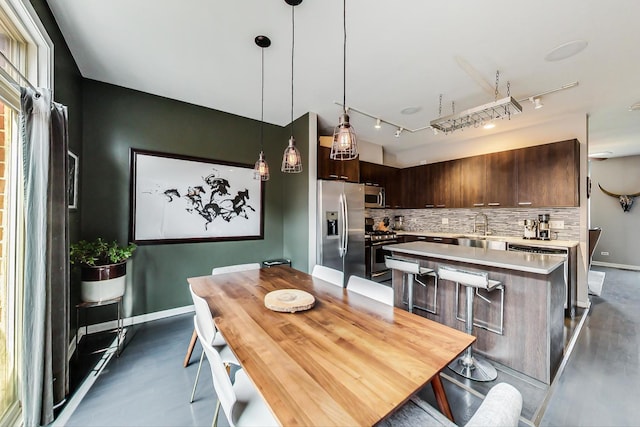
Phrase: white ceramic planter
(103,283)
(102,290)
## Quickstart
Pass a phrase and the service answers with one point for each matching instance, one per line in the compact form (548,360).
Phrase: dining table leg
(192,344)
(441,397)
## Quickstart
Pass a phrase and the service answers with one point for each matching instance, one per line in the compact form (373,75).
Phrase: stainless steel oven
(376,267)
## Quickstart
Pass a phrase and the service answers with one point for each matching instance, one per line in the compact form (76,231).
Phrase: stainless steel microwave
(374,196)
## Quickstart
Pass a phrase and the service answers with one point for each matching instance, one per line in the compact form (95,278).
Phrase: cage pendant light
(344,146)
(261,169)
(291,159)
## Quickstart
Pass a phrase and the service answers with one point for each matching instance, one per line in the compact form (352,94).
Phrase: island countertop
(507,239)
(520,261)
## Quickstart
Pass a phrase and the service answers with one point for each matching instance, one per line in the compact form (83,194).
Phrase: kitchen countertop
(520,261)
(508,239)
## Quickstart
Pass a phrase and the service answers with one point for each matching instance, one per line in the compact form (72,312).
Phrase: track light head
(377,125)
(398,132)
(537,103)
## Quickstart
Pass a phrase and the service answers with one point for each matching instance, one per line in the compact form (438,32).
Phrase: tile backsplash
(502,222)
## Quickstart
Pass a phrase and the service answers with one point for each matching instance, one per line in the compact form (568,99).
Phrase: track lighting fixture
(377,125)
(398,132)
(537,103)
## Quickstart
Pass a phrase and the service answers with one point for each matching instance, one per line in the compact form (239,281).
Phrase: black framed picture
(180,199)
(72,179)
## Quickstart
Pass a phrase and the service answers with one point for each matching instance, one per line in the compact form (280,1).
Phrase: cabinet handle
(428,206)
(437,239)
(493,204)
(440,206)
(334,176)
(344,177)
(479,204)
(525,203)
(422,238)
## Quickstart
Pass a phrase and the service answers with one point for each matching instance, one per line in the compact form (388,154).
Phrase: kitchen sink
(482,242)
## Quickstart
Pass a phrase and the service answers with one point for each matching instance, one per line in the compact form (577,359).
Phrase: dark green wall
(105,121)
(296,204)
(117,119)
(67,91)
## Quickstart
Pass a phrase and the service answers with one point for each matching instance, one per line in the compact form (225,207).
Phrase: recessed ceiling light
(566,50)
(410,110)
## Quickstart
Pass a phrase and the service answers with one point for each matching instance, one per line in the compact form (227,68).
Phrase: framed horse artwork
(183,199)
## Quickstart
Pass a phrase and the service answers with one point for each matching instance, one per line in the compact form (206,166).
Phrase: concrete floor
(147,385)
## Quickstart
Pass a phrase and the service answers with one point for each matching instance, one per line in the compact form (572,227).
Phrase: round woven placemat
(289,300)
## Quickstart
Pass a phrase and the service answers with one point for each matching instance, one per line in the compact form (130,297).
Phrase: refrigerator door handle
(341,233)
(346,224)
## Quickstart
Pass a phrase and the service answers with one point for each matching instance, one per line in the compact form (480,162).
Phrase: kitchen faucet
(485,223)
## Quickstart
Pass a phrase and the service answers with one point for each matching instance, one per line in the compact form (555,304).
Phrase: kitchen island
(532,312)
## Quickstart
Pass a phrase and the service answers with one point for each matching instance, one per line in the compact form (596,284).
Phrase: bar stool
(411,270)
(468,365)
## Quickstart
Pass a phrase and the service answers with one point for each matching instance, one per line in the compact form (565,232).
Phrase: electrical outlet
(604,253)
(445,221)
(556,225)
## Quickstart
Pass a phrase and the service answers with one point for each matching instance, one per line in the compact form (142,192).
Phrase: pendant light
(261,169)
(291,159)
(344,146)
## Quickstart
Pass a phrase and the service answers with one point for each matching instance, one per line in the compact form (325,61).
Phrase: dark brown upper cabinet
(549,175)
(473,181)
(445,182)
(500,179)
(345,170)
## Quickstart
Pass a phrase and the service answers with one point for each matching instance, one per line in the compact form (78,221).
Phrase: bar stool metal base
(473,367)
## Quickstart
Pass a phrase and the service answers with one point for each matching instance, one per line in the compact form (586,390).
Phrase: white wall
(620,230)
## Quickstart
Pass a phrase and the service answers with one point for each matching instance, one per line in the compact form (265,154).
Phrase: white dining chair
(328,274)
(241,402)
(217,270)
(235,268)
(371,289)
(208,334)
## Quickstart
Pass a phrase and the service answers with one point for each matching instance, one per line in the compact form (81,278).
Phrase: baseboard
(127,321)
(614,265)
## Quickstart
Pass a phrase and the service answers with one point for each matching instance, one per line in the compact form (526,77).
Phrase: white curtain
(46,296)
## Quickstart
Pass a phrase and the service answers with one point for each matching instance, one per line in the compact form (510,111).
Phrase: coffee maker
(398,222)
(543,227)
(530,229)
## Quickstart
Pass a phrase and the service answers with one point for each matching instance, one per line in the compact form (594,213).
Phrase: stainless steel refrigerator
(341,227)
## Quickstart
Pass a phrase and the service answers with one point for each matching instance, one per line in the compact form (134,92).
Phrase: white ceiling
(400,54)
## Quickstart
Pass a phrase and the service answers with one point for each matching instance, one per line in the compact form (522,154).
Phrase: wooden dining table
(347,361)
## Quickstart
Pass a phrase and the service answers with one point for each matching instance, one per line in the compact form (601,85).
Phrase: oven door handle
(384,242)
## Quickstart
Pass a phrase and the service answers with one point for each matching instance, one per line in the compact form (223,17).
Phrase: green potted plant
(103,268)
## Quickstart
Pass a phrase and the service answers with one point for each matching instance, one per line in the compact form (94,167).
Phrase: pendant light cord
(344,56)
(262,106)
(293,41)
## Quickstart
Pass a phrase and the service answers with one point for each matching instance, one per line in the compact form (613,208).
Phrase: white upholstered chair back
(235,268)
(331,275)
(371,289)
